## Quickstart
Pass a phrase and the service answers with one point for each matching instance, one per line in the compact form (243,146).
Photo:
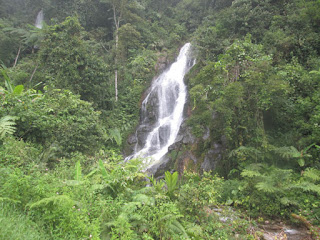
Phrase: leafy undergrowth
(109,199)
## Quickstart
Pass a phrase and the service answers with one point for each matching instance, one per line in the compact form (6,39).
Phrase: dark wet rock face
(212,158)
(132,140)
(185,135)
(182,154)
(148,118)
(164,134)
(158,170)
(142,133)
(149,111)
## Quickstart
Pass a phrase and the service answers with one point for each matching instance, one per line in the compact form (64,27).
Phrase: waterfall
(167,96)
(39,20)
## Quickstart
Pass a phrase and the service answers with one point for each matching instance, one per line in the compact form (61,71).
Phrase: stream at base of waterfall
(162,110)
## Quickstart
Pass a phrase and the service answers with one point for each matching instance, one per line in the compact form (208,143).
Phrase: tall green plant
(78,171)
(7,81)
(158,185)
(171,181)
(11,89)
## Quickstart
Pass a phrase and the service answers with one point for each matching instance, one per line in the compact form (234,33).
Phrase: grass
(14,225)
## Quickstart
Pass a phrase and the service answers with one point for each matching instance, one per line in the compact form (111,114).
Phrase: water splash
(39,20)
(170,91)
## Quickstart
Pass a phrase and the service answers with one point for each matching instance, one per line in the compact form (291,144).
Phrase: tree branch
(34,71)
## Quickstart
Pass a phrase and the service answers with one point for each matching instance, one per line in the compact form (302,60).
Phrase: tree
(56,119)
(118,8)
(82,71)
(237,90)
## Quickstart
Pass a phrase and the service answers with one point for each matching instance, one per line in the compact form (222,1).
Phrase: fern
(288,152)
(309,187)
(158,185)
(317,72)
(286,201)
(9,200)
(7,126)
(144,199)
(172,225)
(178,228)
(312,173)
(292,152)
(250,173)
(267,187)
(247,151)
(46,203)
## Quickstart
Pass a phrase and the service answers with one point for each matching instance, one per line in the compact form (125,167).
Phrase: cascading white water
(170,91)
(39,20)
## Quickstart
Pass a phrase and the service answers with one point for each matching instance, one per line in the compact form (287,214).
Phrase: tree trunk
(16,60)
(116,83)
(117,25)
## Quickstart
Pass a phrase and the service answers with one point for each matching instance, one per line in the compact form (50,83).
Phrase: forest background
(70,96)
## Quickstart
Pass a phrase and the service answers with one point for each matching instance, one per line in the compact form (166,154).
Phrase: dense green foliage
(254,90)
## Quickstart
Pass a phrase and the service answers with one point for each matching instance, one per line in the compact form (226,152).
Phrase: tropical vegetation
(70,95)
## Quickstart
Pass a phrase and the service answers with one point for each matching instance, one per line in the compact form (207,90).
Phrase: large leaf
(7,126)
(115,134)
(171,181)
(78,172)
(18,89)
(103,169)
(301,162)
